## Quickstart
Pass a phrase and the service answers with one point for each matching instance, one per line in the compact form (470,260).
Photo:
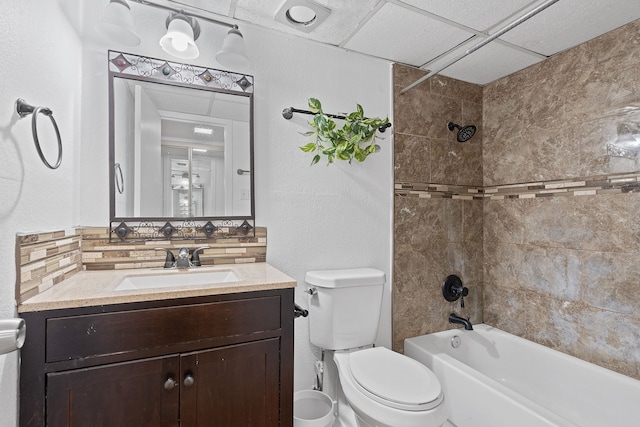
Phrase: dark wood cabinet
(245,375)
(119,394)
(209,361)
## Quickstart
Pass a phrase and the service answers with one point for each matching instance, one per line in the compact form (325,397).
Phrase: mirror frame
(141,68)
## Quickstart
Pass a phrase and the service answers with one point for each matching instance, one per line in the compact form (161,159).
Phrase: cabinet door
(131,394)
(232,386)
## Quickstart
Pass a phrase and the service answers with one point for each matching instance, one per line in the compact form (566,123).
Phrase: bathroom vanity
(218,355)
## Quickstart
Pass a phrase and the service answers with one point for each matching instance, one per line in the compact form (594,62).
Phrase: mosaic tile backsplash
(557,203)
(45,259)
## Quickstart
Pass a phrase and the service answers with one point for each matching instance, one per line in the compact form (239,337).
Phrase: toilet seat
(395,380)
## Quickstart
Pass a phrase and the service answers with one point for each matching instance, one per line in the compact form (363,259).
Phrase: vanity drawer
(102,334)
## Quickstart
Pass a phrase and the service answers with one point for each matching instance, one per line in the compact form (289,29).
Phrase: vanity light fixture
(182,32)
(303,15)
(233,54)
(181,36)
(116,23)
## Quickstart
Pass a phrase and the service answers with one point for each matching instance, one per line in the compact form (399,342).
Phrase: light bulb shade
(233,55)
(179,40)
(116,24)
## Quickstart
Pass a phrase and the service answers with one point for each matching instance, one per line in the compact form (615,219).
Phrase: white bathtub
(495,379)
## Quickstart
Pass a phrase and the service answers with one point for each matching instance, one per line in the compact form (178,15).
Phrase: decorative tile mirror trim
(134,65)
(170,230)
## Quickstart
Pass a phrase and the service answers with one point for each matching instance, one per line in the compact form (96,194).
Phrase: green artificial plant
(355,140)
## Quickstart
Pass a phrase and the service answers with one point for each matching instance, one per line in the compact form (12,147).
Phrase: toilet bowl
(381,388)
(388,389)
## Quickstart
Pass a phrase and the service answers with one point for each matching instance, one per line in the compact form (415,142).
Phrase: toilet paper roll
(12,334)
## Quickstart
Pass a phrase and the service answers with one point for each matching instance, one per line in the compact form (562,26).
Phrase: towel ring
(23,109)
(120,180)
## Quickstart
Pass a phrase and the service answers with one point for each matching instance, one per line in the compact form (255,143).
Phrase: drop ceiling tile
(487,64)
(343,20)
(479,15)
(401,35)
(568,23)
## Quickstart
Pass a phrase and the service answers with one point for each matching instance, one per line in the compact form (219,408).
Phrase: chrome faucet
(183,260)
(454,318)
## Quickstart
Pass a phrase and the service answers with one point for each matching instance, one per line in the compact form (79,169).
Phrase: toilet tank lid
(347,277)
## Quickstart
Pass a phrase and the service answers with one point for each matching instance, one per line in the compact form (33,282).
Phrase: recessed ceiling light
(198,130)
(199,150)
(303,15)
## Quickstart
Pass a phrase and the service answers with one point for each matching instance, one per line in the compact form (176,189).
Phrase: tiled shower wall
(562,271)
(435,237)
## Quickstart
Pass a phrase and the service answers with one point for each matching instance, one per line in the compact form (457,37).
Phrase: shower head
(464,133)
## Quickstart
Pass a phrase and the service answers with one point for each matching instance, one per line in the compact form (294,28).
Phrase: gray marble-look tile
(426,114)
(611,281)
(453,218)
(419,267)
(419,220)
(472,221)
(552,322)
(553,271)
(504,220)
(412,158)
(404,75)
(502,264)
(503,308)
(456,163)
(599,223)
(452,88)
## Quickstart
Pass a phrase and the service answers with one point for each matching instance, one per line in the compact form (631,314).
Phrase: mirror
(181,142)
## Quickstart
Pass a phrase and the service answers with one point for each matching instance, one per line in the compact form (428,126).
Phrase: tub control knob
(452,289)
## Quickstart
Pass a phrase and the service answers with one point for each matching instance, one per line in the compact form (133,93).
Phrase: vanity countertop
(91,288)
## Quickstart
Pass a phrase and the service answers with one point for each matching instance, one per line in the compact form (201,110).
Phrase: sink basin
(176,279)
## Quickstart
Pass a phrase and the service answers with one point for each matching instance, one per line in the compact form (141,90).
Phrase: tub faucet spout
(454,318)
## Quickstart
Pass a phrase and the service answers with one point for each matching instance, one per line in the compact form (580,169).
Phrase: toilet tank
(345,310)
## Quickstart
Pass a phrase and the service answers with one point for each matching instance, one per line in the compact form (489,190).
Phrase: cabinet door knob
(170,383)
(188,381)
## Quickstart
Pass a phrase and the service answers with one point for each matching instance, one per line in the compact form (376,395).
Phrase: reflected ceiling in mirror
(179,135)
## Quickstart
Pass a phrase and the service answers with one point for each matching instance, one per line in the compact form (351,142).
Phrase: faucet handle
(464,293)
(170,260)
(195,256)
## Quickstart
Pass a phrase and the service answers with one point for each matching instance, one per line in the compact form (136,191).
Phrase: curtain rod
(287,113)
(486,41)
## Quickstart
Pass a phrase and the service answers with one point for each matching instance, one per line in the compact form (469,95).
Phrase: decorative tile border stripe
(438,191)
(45,259)
(98,253)
(603,184)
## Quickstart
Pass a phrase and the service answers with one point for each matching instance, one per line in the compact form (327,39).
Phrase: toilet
(381,388)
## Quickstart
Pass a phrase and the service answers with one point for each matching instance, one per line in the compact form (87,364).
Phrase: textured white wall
(319,217)
(40,52)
